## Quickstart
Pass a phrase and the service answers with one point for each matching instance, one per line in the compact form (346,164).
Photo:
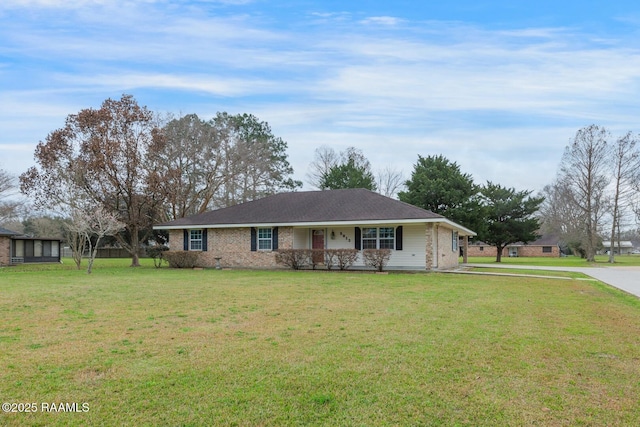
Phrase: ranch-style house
(248,234)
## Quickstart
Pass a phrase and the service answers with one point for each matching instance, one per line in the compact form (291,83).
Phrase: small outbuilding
(16,248)
(544,246)
(623,247)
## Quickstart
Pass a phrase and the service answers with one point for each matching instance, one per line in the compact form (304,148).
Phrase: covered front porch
(413,246)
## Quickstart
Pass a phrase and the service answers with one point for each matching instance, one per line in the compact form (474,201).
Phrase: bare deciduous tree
(9,206)
(626,163)
(44,226)
(187,166)
(350,169)
(584,169)
(560,218)
(205,165)
(255,161)
(389,181)
(325,158)
(75,237)
(88,229)
(100,223)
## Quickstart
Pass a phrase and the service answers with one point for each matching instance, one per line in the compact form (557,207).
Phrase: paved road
(625,278)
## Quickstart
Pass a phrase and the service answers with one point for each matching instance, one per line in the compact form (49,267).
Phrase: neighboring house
(246,235)
(17,249)
(545,246)
(623,247)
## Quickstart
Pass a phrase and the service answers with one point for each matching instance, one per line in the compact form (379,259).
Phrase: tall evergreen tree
(439,185)
(509,216)
(354,171)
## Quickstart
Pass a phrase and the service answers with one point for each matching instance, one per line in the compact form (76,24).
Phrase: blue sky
(500,87)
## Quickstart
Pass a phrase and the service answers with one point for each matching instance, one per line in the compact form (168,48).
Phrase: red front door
(317,242)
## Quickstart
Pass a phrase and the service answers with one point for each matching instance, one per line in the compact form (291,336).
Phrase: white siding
(413,251)
(343,238)
(301,238)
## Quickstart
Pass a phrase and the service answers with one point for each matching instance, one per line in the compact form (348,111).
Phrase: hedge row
(340,258)
(296,259)
(300,258)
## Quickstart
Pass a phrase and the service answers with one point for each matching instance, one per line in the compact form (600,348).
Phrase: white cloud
(394,88)
(388,21)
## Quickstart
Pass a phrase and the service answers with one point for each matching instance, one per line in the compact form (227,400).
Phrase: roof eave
(460,229)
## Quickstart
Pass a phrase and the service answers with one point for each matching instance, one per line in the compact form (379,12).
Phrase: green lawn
(532,272)
(569,261)
(154,347)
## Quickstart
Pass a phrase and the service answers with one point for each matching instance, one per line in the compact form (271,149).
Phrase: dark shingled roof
(310,206)
(6,232)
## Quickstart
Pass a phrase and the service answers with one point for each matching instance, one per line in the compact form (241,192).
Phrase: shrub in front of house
(376,258)
(294,258)
(182,259)
(300,258)
(342,258)
(157,254)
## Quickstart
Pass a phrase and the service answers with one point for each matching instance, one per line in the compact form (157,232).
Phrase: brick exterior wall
(447,256)
(5,250)
(428,262)
(523,251)
(233,246)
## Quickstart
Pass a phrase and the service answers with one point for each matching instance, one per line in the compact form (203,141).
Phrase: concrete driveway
(625,278)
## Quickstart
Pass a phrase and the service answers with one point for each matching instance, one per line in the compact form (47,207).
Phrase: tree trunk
(612,258)
(499,253)
(135,259)
(135,241)
(92,257)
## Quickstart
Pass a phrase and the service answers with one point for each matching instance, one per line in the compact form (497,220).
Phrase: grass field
(532,272)
(153,347)
(569,261)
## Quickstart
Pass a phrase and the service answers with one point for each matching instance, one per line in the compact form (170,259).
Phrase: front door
(317,242)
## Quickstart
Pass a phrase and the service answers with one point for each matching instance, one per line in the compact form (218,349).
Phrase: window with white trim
(195,240)
(265,239)
(370,238)
(386,238)
(454,241)
(378,238)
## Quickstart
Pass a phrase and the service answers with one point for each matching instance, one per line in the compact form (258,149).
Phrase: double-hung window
(378,238)
(195,240)
(454,241)
(370,238)
(264,239)
(386,238)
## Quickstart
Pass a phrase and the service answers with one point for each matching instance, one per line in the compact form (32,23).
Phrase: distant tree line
(125,162)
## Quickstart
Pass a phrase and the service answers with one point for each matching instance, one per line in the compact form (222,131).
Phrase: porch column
(465,249)
(429,247)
